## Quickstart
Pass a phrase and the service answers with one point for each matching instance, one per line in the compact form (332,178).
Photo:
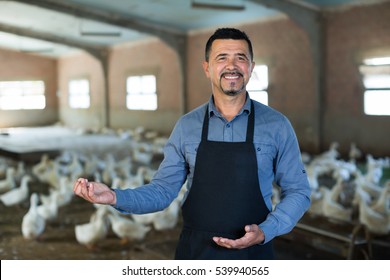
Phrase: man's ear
(205,65)
(253,66)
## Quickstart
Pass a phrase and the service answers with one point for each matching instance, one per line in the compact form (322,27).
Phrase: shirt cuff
(121,201)
(269,231)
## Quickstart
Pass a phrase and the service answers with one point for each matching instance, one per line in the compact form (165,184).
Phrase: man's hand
(94,192)
(254,235)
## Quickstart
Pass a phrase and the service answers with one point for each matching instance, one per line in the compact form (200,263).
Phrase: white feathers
(8,183)
(126,228)
(89,234)
(376,222)
(17,195)
(331,206)
(356,196)
(33,224)
(49,207)
(136,165)
(167,219)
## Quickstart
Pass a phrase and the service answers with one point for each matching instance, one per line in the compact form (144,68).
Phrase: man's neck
(229,106)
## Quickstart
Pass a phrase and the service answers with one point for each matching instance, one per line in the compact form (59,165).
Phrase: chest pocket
(266,155)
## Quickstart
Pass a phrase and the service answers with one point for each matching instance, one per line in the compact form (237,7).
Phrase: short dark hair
(228,33)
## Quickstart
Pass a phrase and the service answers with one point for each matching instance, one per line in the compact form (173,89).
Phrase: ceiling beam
(171,36)
(303,14)
(25,32)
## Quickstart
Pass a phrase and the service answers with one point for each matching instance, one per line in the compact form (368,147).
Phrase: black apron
(225,196)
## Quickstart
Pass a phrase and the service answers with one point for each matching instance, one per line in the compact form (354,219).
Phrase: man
(231,150)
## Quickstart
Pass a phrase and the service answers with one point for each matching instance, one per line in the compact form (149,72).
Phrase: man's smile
(231,75)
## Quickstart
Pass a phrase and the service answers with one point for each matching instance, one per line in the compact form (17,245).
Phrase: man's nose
(231,64)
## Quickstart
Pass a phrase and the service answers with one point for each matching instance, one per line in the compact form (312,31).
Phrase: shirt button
(228,125)
(258,149)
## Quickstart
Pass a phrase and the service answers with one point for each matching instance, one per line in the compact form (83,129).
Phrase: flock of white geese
(131,169)
(356,196)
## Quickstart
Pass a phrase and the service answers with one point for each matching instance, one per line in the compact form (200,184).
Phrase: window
(79,95)
(258,84)
(376,80)
(141,92)
(22,95)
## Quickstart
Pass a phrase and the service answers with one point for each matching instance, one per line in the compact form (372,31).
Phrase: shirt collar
(213,110)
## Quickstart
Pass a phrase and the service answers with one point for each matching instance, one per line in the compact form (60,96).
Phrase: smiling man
(230,150)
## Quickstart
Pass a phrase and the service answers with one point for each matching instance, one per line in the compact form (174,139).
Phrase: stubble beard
(232,90)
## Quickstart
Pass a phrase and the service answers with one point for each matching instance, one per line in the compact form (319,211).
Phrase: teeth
(231,77)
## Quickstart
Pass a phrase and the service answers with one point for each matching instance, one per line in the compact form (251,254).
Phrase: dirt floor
(59,242)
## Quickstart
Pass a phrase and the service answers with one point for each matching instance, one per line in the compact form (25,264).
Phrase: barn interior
(67,110)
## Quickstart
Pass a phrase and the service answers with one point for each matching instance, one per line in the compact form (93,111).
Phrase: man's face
(229,67)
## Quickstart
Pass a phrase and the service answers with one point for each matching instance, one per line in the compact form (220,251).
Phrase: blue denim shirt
(278,158)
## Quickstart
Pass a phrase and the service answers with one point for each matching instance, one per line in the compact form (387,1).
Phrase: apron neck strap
(249,130)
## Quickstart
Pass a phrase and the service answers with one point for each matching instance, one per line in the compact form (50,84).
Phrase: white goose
(49,207)
(109,172)
(91,165)
(374,221)
(126,228)
(33,224)
(124,166)
(167,219)
(65,191)
(312,172)
(370,182)
(135,181)
(143,153)
(89,234)
(354,152)
(41,167)
(20,171)
(331,207)
(51,175)
(17,195)
(75,169)
(382,204)
(149,218)
(9,182)
(369,186)
(145,219)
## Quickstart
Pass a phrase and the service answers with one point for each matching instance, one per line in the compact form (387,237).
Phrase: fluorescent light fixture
(235,5)
(100,34)
(48,50)
(97,29)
